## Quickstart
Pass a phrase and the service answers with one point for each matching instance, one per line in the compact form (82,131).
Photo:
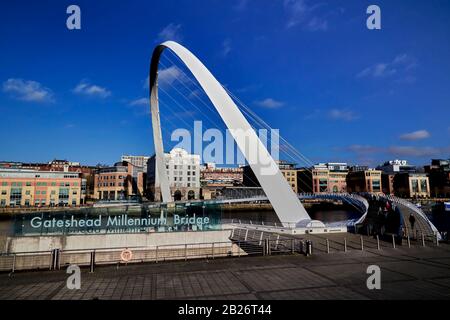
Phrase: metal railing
(56,259)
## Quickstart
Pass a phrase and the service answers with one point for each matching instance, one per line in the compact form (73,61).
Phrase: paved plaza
(406,273)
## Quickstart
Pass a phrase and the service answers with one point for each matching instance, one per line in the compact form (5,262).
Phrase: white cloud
(92,90)
(226,47)
(170,75)
(301,13)
(342,114)
(139,102)
(269,103)
(401,65)
(27,90)
(403,151)
(170,32)
(416,135)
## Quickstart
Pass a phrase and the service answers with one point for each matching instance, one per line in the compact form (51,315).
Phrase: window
(423,185)
(38,192)
(415,185)
(16,196)
(53,184)
(4,183)
(27,192)
(3,192)
(3,202)
(376,185)
(28,184)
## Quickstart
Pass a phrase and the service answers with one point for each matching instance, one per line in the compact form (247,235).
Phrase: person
(412,221)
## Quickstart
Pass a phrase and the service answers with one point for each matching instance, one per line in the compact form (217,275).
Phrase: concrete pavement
(406,273)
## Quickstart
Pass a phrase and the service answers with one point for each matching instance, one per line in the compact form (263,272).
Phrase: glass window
(28,184)
(376,185)
(423,185)
(415,185)
(4,183)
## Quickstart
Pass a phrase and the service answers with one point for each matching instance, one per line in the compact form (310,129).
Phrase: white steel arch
(283,199)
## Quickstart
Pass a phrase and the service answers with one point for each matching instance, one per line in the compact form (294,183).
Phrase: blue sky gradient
(336,90)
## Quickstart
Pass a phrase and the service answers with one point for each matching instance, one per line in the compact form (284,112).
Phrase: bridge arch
(284,201)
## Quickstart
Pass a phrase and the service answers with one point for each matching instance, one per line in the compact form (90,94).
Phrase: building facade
(439,176)
(411,185)
(288,170)
(137,161)
(86,172)
(183,172)
(389,171)
(364,181)
(211,175)
(25,187)
(123,181)
(323,177)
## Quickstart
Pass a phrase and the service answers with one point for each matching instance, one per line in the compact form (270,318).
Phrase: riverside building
(25,187)
(183,172)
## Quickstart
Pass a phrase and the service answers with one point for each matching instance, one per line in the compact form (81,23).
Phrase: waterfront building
(212,175)
(394,166)
(411,185)
(183,172)
(137,161)
(86,172)
(26,187)
(288,170)
(213,179)
(323,177)
(439,176)
(119,182)
(389,170)
(359,180)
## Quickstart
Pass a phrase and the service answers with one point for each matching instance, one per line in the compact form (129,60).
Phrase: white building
(183,172)
(137,161)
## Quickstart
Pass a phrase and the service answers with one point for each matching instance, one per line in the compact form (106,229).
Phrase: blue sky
(336,90)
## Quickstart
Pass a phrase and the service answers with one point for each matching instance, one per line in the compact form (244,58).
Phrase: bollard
(423,240)
(92,264)
(246,234)
(345,244)
(378,242)
(14,264)
(156,255)
(292,246)
(362,244)
(409,241)
(276,242)
(185,252)
(232,233)
(309,248)
(393,241)
(328,246)
(437,240)
(213,250)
